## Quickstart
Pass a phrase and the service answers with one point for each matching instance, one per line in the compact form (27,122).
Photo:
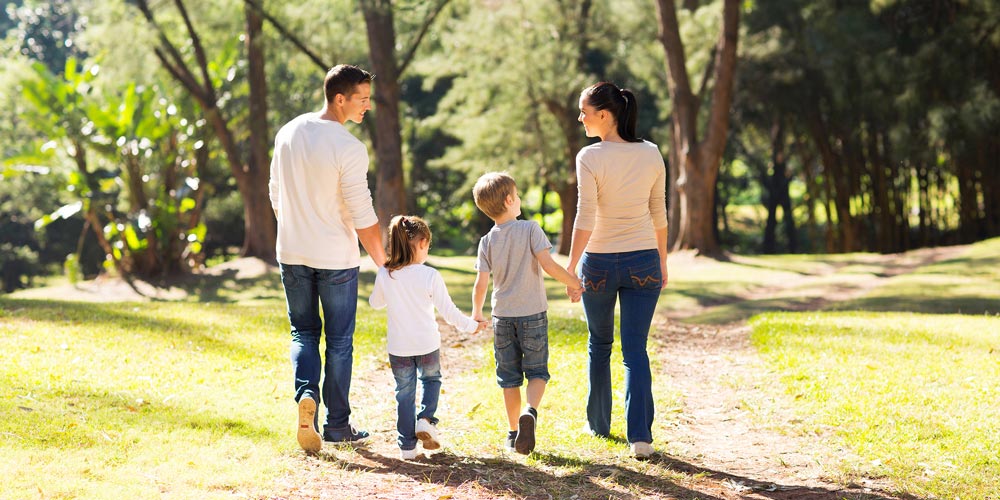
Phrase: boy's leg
(533,332)
(512,403)
(404,370)
(535,391)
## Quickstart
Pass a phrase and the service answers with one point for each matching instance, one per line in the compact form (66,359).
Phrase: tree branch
(199,52)
(170,56)
(431,15)
(289,36)
(725,72)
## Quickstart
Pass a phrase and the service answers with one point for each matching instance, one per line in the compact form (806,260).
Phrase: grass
(191,399)
(914,394)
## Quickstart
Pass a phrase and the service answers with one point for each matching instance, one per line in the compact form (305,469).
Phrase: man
(320,196)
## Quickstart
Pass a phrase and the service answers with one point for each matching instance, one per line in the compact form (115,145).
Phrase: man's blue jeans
(406,370)
(306,289)
(635,278)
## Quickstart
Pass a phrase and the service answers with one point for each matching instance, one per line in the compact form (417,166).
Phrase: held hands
(574,293)
(478,318)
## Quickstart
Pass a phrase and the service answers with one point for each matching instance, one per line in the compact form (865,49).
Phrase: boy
(515,252)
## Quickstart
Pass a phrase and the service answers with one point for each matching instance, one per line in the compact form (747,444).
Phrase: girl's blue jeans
(633,278)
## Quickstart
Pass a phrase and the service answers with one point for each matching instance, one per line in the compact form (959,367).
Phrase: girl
(620,241)
(411,291)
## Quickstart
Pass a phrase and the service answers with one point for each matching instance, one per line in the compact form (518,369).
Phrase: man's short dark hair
(343,79)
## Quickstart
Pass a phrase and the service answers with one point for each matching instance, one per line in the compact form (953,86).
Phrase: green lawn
(191,399)
(915,394)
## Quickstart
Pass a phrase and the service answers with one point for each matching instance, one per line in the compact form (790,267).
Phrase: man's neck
(330,113)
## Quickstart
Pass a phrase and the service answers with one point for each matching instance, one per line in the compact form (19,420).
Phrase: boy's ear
(509,200)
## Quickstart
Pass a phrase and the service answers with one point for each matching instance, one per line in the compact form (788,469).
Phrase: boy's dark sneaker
(525,440)
(509,441)
(345,435)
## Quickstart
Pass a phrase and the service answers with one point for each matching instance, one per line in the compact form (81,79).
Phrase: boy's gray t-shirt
(508,252)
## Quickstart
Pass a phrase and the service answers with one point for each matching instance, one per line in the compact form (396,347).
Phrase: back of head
(619,102)
(343,79)
(491,192)
(404,232)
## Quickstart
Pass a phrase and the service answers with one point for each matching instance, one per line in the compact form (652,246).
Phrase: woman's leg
(599,308)
(638,304)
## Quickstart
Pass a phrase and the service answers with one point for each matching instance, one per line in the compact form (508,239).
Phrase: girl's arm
(445,306)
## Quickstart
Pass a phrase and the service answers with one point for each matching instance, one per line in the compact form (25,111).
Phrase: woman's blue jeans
(306,289)
(406,369)
(634,278)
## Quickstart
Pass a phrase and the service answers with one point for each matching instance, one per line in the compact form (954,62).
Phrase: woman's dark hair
(404,232)
(619,102)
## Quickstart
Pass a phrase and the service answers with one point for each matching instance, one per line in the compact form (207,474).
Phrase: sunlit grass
(915,395)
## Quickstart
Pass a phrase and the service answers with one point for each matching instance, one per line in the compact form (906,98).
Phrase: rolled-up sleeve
(354,185)
(586,199)
(658,198)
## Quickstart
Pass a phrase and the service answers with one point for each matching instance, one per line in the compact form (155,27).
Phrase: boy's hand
(574,293)
(482,325)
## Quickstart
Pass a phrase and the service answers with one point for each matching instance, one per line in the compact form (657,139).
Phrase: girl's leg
(404,370)
(429,367)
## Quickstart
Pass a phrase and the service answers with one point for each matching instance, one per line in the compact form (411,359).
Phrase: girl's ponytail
(404,232)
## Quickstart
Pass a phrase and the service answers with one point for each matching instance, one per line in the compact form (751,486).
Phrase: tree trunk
(697,161)
(390,192)
(260,227)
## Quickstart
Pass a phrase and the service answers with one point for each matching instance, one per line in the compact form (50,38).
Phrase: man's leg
(303,315)
(338,291)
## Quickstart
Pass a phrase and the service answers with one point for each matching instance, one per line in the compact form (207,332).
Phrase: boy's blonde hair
(491,192)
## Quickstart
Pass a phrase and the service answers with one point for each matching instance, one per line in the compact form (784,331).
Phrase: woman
(620,232)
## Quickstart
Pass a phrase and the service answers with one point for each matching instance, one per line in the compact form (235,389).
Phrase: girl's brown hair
(405,231)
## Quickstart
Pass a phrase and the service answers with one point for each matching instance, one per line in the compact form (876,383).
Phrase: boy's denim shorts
(521,349)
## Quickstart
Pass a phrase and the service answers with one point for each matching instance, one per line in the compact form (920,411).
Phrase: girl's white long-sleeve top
(411,294)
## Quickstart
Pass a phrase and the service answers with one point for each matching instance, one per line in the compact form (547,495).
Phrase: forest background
(136,134)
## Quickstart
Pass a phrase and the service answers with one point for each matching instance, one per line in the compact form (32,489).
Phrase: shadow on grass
(579,478)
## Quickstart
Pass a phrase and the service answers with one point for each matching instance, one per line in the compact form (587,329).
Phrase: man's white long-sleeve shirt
(319,193)
(411,294)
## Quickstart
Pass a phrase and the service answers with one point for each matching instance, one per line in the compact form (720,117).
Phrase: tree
(389,67)
(251,171)
(135,168)
(694,161)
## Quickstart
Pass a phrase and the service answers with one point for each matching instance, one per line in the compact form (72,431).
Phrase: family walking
(320,196)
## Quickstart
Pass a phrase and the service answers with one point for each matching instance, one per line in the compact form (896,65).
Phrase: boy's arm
(552,268)
(479,295)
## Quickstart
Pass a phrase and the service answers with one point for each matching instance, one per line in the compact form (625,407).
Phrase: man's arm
(371,239)
(479,295)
